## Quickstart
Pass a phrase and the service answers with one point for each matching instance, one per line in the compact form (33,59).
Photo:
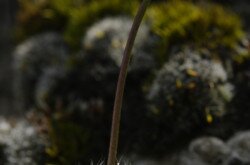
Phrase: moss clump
(69,142)
(242,52)
(82,17)
(89,81)
(90,77)
(81,135)
(201,25)
(189,93)
(189,83)
(179,22)
(31,58)
(37,16)
(107,39)
(70,17)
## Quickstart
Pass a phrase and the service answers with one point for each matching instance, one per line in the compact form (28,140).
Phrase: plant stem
(121,83)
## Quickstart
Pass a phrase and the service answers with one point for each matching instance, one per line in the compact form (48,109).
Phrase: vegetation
(187,59)
(70,17)
(200,25)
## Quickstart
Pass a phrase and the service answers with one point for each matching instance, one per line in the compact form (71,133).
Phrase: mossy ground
(176,24)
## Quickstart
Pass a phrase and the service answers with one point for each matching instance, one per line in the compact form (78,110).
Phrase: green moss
(69,142)
(78,136)
(65,6)
(72,17)
(201,25)
(81,18)
(242,55)
(37,16)
(176,22)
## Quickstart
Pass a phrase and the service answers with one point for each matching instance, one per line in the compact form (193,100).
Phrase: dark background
(7,20)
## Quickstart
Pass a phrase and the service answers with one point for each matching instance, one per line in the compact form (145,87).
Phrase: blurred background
(187,93)
(8,14)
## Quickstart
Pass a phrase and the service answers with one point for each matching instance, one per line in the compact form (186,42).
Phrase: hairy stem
(112,160)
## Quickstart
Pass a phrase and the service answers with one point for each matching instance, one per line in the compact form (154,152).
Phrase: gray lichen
(108,38)
(240,144)
(22,145)
(210,150)
(191,84)
(30,59)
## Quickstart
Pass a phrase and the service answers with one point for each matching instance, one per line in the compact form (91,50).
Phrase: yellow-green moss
(241,56)
(37,16)
(81,18)
(65,6)
(72,17)
(202,25)
(176,22)
(69,142)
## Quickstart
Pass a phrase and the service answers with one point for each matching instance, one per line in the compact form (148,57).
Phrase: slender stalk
(121,83)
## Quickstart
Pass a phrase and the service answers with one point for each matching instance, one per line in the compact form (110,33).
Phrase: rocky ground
(210,151)
(20,144)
